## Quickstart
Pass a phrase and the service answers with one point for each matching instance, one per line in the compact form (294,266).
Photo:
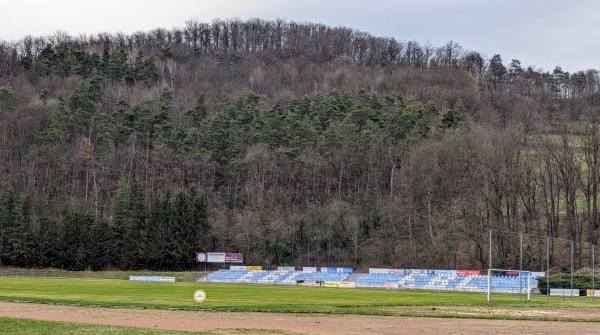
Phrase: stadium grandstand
(446,280)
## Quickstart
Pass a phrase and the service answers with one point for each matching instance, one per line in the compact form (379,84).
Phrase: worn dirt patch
(283,323)
(550,313)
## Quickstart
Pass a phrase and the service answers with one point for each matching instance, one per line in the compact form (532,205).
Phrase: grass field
(256,298)
(185,276)
(15,326)
(268,299)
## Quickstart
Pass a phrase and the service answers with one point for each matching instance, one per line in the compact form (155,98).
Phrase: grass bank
(16,326)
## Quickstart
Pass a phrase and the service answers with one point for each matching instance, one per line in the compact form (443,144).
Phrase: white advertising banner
(219,257)
(153,278)
(215,257)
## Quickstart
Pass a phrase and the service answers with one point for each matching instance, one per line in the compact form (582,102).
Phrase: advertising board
(153,279)
(331,284)
(376,270)
(593,293)
(234,257)
(565,292)
(468,272)
(445,272)
(310,283)
(219,257)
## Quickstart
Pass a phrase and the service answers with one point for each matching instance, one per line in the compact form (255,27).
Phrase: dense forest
(266,137)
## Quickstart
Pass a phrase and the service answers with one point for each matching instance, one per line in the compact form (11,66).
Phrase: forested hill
(265,137)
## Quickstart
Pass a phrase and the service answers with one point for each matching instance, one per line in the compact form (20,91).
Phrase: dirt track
(263,323)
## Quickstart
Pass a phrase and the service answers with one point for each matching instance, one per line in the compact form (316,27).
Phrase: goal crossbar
(519,273)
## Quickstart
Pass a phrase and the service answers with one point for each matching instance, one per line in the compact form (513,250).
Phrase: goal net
(517,260)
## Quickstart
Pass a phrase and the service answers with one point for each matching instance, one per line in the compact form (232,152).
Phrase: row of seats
(474,283)
(281,277)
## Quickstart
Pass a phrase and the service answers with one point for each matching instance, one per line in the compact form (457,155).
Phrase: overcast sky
(541,33)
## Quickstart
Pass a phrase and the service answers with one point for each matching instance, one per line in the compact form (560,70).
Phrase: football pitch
(258,298)
(278,300)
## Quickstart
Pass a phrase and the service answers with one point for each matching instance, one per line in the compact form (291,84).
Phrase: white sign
(152,278)
(199,296)
(219,257)
(215,257)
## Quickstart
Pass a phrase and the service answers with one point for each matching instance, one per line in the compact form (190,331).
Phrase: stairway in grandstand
(353,277)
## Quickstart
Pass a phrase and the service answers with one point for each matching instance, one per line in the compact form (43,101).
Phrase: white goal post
(569,245)
(525,280)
